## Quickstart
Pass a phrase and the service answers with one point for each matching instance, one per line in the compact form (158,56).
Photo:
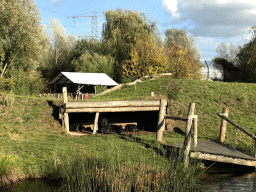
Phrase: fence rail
(224,120)
(72,96)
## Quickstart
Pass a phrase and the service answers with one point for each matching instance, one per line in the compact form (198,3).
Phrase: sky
(209,21)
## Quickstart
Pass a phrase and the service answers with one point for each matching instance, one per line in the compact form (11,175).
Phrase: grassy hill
(34,145)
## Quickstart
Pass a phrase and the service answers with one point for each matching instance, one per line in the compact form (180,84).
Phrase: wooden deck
(214,150)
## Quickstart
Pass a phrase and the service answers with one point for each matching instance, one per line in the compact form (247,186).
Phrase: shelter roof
(84,78)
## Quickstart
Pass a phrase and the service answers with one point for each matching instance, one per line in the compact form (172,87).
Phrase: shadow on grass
(179,131)
(55,110)
(143,142)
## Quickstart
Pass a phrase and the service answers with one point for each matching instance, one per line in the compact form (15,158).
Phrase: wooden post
(161,120)
(223,125)
(95,127)
(195,132)
(187,141)
(151,94)
(66,118)
(255,147)
(65,96)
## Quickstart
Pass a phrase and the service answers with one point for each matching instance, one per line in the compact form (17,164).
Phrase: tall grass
(89,174)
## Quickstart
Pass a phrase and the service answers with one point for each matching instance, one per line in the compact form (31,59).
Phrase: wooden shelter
(98,107)
(77,81)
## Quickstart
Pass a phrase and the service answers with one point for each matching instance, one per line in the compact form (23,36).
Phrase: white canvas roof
(84,78)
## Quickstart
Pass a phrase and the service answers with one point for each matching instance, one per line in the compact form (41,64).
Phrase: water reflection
(228,177)
(37,185)
(242,183)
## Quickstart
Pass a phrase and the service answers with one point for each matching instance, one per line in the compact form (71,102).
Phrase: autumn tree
(183,54)
(121,31)
(147,58)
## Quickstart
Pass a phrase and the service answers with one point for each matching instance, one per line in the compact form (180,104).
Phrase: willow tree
(23,43)
(121,31)
(184,56)
(23,40)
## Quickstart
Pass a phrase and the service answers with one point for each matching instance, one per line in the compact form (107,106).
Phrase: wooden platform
(214,150)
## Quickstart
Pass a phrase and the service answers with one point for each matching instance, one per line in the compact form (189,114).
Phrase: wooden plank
(100,104)
(161,120)
(224,159)
(111,109)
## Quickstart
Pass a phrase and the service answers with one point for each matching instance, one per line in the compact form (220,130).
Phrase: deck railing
(224,120)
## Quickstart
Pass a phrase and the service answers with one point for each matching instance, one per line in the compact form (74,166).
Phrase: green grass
(34,145)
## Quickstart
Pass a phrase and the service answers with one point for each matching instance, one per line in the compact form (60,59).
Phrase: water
(243,183)
(223,178)
(228,177)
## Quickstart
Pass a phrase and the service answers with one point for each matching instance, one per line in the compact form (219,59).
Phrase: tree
(146,59)
(246,59)
(23,44)
(183,54)
(60,52)
(182,64)
(23,41)
(94,63)
(121,31)
(180,37)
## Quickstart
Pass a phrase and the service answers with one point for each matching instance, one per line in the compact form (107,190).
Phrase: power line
(94,16)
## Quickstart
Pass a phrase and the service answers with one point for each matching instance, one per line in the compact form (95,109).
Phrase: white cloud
(213,18)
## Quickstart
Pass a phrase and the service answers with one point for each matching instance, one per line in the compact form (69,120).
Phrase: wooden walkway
(214,150)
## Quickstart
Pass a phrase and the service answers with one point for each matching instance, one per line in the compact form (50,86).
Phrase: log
(112,109)
(237,126)
(95,127)
(76,105)
(161,120)
(187,141)
(223,125)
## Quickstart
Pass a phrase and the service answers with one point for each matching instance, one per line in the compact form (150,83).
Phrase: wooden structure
(98,107)
(191,118)
(213,150)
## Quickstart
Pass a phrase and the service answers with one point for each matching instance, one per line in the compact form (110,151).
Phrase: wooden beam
(112,109)
(223,125)
(75,105)
(224,159)
(161,120)
(96,119)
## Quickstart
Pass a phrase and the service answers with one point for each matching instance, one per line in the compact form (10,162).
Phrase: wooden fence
(71,96)
(190,120)
(224,120)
